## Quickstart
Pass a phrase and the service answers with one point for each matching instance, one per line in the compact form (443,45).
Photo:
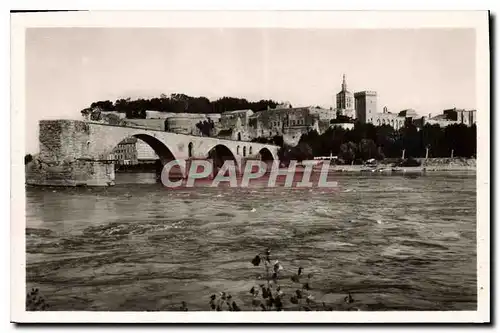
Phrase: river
(394,242)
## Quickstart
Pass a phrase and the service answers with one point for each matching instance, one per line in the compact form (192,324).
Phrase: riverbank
(429,165)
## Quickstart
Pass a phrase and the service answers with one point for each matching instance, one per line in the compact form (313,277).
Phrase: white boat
(310,162)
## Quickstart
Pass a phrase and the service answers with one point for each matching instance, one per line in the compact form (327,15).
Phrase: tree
(27,158)
(206,127)
(303,152)
(103,105)
(348,152)
(178,103)
(312,139)
(411,140)
(368,149)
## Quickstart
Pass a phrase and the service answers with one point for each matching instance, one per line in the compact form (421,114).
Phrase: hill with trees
(179,103)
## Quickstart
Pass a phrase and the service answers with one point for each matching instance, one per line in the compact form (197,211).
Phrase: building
(366,111)
(151,114)
(132,151)
(323,114)
(365,103)
(395,120)
(145,154)
(449,117)
(462,116)
(234,125)
(125,153)
(289,122)
(284,120)
(229,119)
(184,123)
(284,105)
(409,114)
(345,101)
(440,120)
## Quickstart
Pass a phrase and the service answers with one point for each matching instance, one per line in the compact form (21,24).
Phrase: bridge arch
(164,153)
(266,155)
(221,153)
(161,149)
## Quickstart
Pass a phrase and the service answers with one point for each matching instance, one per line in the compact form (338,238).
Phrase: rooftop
(238,111)
(365,92)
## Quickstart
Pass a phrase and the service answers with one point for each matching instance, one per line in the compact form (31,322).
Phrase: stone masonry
(74,153)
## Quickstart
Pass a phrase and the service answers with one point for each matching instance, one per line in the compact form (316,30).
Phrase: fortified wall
(290,123)
(64,157)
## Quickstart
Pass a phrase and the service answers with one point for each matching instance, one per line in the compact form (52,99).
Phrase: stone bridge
(74,152)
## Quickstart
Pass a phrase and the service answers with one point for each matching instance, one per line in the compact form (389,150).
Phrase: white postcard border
(250,19)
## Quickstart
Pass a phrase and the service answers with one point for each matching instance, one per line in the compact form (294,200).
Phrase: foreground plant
(270,296)
(223,302)
(35,301)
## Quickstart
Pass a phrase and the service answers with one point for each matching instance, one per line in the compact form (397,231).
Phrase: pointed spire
(344,84)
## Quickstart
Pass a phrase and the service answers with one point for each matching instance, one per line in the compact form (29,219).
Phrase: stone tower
(345,101)
(366,106)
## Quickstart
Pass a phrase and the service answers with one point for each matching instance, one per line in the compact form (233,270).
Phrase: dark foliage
(206,127)
(366,141)
(35,301)
(27,158)
(177,103)
(301,152)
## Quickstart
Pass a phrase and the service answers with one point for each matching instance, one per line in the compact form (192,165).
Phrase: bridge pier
(70,173)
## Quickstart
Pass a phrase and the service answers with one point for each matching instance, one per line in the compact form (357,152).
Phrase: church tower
(345,101)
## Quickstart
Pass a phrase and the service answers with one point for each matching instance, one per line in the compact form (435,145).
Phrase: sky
(69,68)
